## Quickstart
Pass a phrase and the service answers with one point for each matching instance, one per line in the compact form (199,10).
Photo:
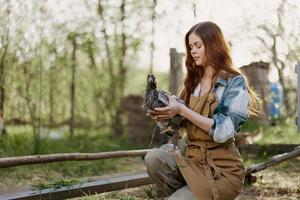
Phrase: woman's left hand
(169,111)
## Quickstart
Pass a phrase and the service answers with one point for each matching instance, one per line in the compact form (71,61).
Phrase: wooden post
(176,72)
(256,73)
(297,69)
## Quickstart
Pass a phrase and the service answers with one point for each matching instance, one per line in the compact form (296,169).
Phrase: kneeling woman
(219,101)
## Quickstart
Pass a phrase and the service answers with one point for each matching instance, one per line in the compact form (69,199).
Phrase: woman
(219,101)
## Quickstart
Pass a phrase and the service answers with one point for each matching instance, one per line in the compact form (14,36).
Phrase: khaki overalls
(212,171)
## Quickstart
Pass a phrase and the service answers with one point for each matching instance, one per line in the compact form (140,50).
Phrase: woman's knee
(151,158)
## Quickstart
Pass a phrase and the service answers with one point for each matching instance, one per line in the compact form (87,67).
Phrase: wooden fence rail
(119,181)
(105,184)
(38,159)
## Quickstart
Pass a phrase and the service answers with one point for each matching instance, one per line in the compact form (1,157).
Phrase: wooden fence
(117,181)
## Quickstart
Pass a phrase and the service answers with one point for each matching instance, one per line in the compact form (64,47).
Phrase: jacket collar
(222,78)
(221,81)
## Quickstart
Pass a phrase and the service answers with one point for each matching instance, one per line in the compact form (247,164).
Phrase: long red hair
(217,55)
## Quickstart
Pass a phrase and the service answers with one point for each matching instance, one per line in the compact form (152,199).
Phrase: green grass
(19,142)
(57,184)
(284,133)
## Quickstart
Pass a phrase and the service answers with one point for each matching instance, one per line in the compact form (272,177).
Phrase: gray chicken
(154,98)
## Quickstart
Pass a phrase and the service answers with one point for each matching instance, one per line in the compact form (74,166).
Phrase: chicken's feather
(154,98)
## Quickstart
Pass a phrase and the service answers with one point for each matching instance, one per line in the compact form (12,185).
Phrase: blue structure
(275,101)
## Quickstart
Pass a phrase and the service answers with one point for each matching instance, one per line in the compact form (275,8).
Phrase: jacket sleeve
(232,110)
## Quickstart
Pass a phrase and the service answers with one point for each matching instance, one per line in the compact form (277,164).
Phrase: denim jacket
(232,110)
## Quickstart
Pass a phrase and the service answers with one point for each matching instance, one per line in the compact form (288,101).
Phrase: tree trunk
(111,99)
(3,131)
(118,123)
(98,93)
(176,73)
(5,44)
(51,97)
(73,65)
(152,34)
(52,89)
(2,89)
(276,58)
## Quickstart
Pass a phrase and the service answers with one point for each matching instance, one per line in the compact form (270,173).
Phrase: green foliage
(38,71)
(138,79)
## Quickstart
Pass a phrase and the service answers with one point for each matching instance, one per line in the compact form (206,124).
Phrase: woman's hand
(167,112)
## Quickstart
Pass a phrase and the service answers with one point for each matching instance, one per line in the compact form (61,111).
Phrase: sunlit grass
(19,142)
(284,133)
